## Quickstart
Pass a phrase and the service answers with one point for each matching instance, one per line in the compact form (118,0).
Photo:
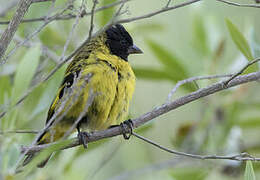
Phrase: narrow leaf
(249,172)
(152,74)
(199,36)
(155,74)
(250,122)
(239,40)
(169,60)
(255,43)
(25,72)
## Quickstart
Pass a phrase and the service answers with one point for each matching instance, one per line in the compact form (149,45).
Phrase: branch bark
(12,26)
(163,109)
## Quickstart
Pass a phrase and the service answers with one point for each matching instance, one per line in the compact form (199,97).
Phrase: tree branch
(82,9)
(165,9)
(239,5)
(242,70)
(37,1)
(95,2)
(194,96)
(69,16)
(237,157)
(12,26)
(232,76)
(19,132)
(189,80)
(156,112)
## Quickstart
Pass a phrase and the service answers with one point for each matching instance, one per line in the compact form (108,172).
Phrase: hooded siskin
(101,69)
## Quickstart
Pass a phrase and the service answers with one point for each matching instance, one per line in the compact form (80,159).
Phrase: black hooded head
(120,42)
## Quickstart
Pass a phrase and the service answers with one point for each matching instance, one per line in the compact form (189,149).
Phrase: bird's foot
(83,139)
(127,128)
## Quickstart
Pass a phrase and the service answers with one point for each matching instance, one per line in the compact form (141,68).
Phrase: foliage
(249,172)
(178,45)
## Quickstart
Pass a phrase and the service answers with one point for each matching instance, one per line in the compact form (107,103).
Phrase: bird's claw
(83,139)
(127,131)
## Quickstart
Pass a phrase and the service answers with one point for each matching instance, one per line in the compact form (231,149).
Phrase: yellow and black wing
(103,81)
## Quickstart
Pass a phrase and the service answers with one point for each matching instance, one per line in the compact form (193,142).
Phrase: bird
(99,71)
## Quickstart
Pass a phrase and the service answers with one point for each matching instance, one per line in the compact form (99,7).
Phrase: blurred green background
(204,38)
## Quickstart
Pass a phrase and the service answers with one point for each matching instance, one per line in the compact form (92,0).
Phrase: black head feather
(119,41)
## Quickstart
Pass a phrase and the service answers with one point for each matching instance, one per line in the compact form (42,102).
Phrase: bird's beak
(134,50)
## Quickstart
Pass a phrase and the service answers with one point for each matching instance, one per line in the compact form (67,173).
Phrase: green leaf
(199,36)
(44,154)
(105,15)
(52,38)
(255,43)
(169,60)
(25,72)
(173,70)
(47,96)
(155,74)
(189,173)
(241,44)
(5,85)
(250,122)
(249,172)
(239,40)
(152,74)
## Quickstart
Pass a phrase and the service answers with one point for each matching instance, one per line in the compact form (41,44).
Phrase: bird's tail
(43,139)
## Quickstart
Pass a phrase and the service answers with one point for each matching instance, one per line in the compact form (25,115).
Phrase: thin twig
(237,157)
(12,27)
(37,1)
(189,80)
(45,50)
(19,132)
(239,5)
(82,7)
(34,34)
(168,3)
(156,112)
(148,15)
(95,2)
(69,16)
(52,8)
(89,102)
(115,16)
(242,70)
